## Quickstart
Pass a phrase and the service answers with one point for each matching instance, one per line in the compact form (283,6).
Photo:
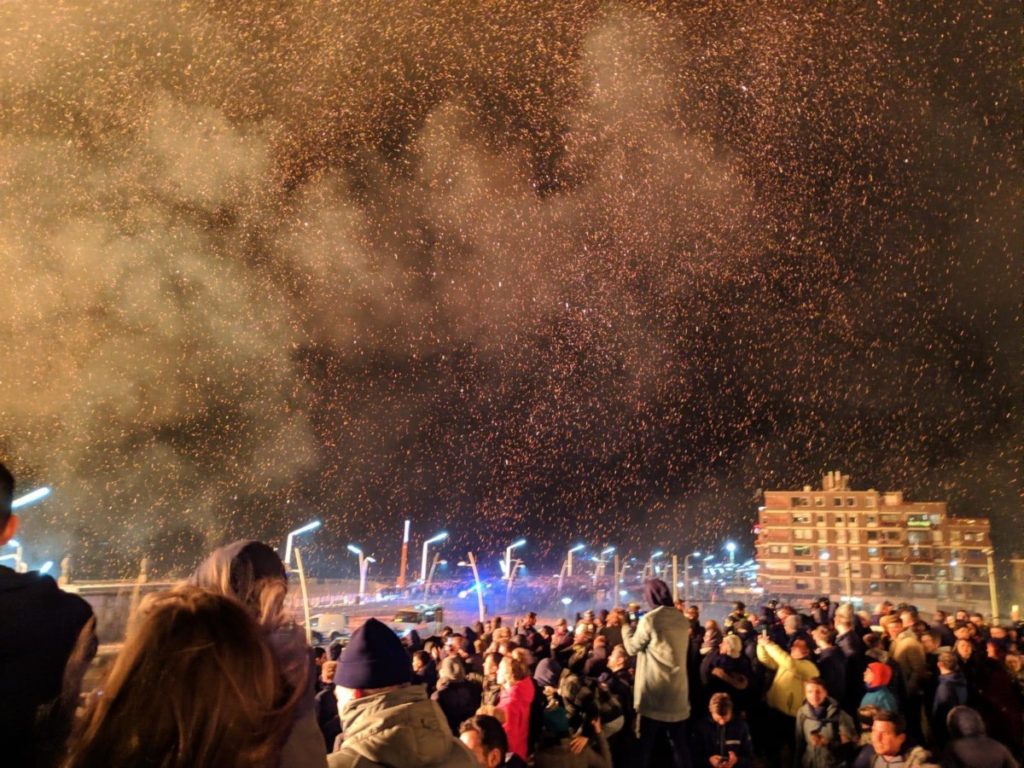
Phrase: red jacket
(516,704)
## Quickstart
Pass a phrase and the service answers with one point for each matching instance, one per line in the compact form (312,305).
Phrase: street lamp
(297,532)
(650,563)
(730,547)
(989,553)
(17,557)
(31,497)
(430,575)
(364,563)
(426,545)
(508,557)
(601,561)
(568,559)
(476,580)
(686,575)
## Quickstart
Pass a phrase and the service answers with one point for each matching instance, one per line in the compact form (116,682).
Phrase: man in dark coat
(44,634)
(970,747)
(458,697)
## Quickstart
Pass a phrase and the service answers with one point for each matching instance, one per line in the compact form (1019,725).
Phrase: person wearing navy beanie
(385,719)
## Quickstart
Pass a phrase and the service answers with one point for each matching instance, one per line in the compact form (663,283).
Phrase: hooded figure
(252,573)
(969,747)
(877,678)
(661,691)
(458,697)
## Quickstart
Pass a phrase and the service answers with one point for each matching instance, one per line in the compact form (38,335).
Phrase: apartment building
(870,545)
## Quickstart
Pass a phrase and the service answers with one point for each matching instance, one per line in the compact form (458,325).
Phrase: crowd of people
(214,672)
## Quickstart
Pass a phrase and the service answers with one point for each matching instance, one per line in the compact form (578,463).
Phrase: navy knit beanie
(373,658)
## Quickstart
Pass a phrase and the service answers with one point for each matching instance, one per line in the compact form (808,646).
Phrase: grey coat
(660,641)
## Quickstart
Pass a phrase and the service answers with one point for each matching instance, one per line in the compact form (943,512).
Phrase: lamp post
(730,547)
(686,576)
(426,545)
(508,557)
(18,556)
(476,581)
(363,565)
(993,599)
(703,566)
(31,497)
(430,574)
(599,569)
(649,569)
(568,559)
(514,566)
(404,562)
(618,575)
(291,536)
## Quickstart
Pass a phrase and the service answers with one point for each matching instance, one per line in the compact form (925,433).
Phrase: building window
(837,501)
(851,502)
(801,519)
(803,534)
(819,501)
(821,519)
(872,535)
(851,519)
(801,550)
(872,551)
(804,568)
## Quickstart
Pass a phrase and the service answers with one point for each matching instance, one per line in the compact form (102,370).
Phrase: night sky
(578,271)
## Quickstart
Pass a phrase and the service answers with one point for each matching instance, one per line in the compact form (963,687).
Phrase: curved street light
(508,557)
(297,532)
(426,545)
(31,498)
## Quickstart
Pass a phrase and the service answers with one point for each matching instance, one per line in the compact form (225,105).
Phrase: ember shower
(561,270)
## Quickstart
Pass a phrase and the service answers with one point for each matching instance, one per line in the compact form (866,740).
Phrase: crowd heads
(216,672)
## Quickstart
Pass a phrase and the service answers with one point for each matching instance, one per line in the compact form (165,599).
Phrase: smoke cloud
(550,269)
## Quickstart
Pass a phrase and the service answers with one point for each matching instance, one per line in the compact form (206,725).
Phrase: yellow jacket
(787,691)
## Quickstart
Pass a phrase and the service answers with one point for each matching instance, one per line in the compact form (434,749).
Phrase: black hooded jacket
(40,626)
(970,747)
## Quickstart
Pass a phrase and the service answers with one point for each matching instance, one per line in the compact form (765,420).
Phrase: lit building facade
(870,545)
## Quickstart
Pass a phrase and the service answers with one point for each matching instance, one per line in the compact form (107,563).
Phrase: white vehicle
(328,627)
(423,618)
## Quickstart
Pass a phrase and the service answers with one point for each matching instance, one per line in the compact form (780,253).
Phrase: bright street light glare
(440,537)
(307,528)
(354,549)
(45,568)
(659,553)
(577,548)
(709,558)
(371,560)
(607,550)
(13,543)
(29,498)
(730,547)
(518,543)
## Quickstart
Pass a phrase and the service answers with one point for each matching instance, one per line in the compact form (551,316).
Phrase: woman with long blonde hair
(196,684)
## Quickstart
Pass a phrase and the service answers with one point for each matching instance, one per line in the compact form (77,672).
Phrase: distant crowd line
(216,672)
